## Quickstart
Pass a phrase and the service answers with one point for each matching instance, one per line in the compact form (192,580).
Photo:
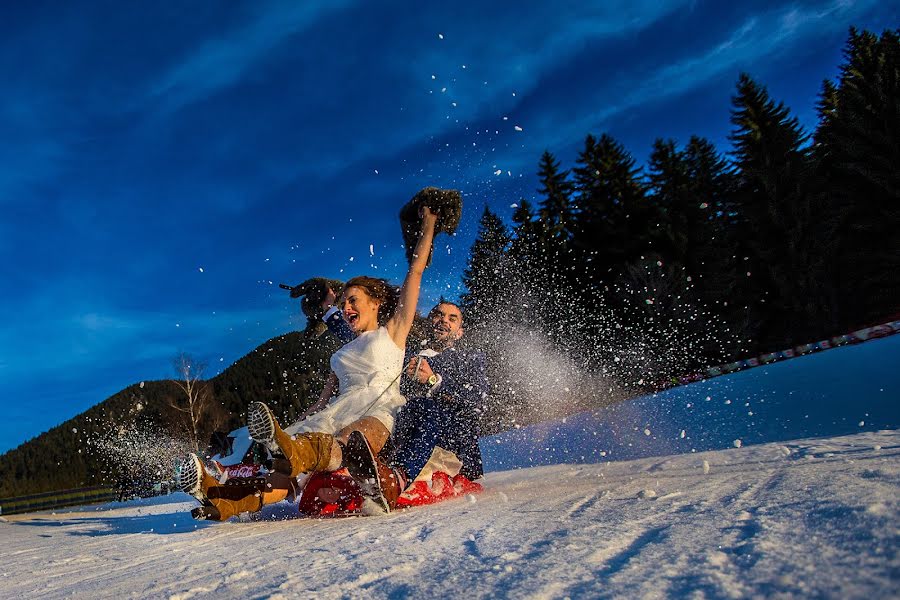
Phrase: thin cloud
(220,64)
(744,48)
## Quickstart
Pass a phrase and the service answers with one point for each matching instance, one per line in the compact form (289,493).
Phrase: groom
(445,389)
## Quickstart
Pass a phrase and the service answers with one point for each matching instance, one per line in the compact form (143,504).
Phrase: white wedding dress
(368,371)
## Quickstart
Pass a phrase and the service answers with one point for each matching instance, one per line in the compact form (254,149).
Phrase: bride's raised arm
(399,325)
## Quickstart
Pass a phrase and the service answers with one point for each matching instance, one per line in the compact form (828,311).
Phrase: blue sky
(163,166)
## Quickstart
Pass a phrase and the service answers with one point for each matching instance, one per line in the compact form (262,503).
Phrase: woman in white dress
(345,430)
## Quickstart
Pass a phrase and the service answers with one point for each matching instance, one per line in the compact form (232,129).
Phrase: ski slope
(807,506)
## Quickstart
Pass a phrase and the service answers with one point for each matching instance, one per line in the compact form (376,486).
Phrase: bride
(349,429)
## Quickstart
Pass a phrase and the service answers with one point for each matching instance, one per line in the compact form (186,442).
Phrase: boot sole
(260,423)
(360,462)
(189,475)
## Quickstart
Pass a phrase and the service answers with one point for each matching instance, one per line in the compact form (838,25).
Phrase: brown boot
(193,478)
(218,502)
(234,498)
(378,482)
(306,451)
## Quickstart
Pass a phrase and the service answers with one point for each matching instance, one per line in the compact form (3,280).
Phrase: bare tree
(197,399)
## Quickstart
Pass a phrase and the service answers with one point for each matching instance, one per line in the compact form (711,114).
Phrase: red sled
(335,494)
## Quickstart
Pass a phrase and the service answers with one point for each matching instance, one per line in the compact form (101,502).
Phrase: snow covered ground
(784,515)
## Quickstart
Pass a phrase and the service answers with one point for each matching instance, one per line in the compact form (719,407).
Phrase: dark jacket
(448,417)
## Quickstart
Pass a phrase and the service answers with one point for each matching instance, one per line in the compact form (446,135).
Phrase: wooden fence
(57,499)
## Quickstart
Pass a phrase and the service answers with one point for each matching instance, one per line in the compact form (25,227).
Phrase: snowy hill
(785,514)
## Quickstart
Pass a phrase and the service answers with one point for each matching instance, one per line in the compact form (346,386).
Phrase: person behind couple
(366,373)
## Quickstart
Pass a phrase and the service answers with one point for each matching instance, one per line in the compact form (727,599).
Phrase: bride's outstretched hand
(428,217)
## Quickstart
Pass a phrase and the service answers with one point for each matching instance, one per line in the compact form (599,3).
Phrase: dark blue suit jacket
(338,326)
(449,418)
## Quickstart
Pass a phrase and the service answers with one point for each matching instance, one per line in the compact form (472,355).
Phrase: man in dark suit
(445,389)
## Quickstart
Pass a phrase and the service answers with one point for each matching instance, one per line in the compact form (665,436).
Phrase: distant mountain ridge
(286,372)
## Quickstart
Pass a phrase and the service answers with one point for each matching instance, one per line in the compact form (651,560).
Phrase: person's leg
(362,440)
(374,430)
(221,502)
(306,452)
(426,425)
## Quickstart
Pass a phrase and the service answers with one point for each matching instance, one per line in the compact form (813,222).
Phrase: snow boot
(219,502)
(193,478)
(306,452)
(378,482)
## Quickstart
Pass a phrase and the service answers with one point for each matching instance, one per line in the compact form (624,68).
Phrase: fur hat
(446,204)
(314,291)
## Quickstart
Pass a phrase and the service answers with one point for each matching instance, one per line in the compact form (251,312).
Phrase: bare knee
(374,430)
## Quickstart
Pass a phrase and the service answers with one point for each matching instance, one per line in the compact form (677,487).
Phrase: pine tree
(857,147)
(556,209)
(613,226)
(774,213)
(488,274)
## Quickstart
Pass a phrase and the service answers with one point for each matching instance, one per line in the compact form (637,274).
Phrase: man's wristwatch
(432,380)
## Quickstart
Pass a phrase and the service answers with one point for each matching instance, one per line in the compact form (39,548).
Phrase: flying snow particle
(646,432)
(518,128)
(704,205)
(376,171)
(862,423)
(737,443)
(74,430)
(514,205)
(351,259)
(142,385)
(498,172)
(440,36)
(682,434)
(705,467)
(201,269)
(371,249)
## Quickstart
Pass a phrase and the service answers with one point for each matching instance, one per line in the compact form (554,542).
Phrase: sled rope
(383,392)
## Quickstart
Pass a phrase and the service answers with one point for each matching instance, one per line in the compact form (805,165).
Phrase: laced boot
(378,482)
(218,502)
(193,478)
(306,452)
